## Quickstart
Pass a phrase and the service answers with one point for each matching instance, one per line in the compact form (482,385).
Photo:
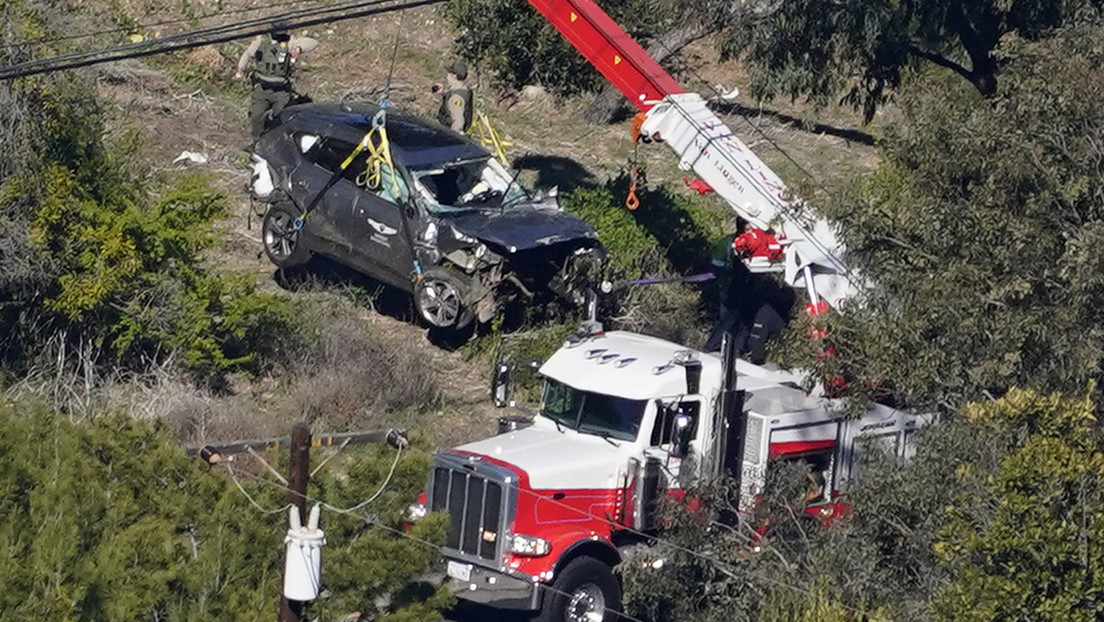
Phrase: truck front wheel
(584,591)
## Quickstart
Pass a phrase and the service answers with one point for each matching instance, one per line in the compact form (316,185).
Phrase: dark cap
(458,68)
(279,31)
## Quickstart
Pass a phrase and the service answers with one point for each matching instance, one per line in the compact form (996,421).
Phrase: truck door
(676,439)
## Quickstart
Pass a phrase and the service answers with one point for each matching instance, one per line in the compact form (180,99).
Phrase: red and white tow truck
(539,515)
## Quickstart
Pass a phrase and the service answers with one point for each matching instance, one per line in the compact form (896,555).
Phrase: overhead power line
(165,22)
(208,36)
(158,45)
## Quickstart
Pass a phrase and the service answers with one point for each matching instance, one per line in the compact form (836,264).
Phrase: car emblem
(381,228)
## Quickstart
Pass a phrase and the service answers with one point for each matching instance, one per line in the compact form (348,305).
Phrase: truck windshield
(592,413)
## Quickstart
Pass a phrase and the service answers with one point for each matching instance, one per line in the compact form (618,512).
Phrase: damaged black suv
(446,221)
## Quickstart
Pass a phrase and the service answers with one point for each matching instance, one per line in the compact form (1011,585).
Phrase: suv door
(328,222)
(682,470)
(377,223)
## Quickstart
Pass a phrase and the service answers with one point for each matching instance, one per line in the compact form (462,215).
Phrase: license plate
(459,571)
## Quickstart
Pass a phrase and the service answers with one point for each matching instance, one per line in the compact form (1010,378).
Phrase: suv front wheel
(441,298)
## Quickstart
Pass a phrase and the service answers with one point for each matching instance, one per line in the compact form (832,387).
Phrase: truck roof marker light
(595,353)
(588,329)
(607,358)
(684,357)
(625,361)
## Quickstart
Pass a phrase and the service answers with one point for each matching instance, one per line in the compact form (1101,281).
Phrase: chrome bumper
(497,589)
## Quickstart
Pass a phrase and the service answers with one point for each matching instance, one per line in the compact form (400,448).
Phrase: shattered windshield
(592,413)
(471,184)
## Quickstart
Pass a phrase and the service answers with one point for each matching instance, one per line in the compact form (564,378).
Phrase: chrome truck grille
(480,499)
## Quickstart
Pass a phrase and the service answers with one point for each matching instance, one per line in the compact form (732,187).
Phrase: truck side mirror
(680,437)
(502,388)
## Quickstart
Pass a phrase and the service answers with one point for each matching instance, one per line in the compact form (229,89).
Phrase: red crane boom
(610,49)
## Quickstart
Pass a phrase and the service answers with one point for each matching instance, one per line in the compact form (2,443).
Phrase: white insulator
(303,557)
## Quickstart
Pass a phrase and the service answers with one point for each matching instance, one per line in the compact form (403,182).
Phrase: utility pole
(300,445)
(298,476)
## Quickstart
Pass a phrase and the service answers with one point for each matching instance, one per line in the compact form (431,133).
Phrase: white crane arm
(704,144)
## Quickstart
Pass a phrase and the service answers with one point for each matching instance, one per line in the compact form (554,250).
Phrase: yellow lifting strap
(379,153)
(482,130)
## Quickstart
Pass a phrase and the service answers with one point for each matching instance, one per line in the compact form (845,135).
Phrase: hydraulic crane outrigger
(707,146)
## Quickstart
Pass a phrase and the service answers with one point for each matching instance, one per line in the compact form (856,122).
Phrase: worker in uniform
(273,57)
(456,99)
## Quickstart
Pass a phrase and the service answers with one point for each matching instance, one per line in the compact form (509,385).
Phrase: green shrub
(106,519)
(90,257)
(668,236)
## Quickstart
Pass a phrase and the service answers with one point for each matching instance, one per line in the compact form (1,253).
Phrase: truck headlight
(530,546)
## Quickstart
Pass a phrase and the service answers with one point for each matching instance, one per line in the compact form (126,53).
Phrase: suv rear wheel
(282,239)
(441,298)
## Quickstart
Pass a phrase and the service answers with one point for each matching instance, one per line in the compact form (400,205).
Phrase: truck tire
(584,591)
(283,242)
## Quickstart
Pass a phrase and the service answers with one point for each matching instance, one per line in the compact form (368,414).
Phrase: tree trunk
(610,106)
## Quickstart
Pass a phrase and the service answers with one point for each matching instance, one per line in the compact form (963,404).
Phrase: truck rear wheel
(584,591)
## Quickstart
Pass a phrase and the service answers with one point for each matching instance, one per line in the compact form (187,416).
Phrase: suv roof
(418,142)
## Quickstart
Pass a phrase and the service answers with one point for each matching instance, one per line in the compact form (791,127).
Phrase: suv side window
(330,153)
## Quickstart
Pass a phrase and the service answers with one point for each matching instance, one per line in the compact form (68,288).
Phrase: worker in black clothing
(753,307)
(456,99)
(272,59)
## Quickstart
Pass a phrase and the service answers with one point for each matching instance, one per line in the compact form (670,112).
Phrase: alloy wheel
(439,303)
(281,236)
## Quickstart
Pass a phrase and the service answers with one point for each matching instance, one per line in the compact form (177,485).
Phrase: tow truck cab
(539,514)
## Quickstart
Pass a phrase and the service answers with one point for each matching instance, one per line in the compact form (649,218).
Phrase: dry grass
(350,379)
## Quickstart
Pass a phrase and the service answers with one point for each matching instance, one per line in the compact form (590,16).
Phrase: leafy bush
(668,236)
(517,46)
(89,256)
(373,569)
(982,244)
(107,520)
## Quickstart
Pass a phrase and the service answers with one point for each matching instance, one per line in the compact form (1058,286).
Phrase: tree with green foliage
(107,519)
(513,43)
(820,48)
(980,235)
(1029,545)
(998,516)
(91,261)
